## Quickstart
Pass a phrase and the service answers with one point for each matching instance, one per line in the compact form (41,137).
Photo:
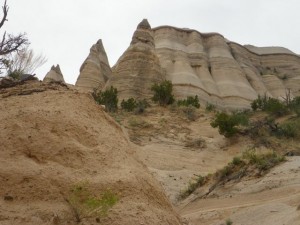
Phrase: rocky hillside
(60,163)
(219,71)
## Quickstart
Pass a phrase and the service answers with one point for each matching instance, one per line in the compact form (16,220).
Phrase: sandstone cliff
(219,71)
(54,74)
(138,68)
(222,72)
(95,70)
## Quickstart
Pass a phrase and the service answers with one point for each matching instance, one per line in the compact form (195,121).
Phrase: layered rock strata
(54,74)
(95,70)
(138,68)
(222,72)
(219,71)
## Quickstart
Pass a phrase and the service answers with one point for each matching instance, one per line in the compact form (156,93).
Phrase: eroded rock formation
(138,68)
(54,74)
(222,72)
(219,71)
(95,70)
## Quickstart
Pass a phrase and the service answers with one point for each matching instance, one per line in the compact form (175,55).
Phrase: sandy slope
(54,139)
(271,200)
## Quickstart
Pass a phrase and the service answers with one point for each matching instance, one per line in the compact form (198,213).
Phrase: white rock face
(54,74)
(95,70)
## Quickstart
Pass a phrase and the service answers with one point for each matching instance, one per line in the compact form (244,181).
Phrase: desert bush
(236,160)
(263,161)
(228,124)
(128,105)
(193,185)
(210,107)
(189,101)
(189,112)
(289,129)
(270,105)
(229,222)
(141,106)
(23,62)
(109,98)
(295,105)
(163,93)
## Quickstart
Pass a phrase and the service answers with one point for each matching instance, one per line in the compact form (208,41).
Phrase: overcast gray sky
(64,30)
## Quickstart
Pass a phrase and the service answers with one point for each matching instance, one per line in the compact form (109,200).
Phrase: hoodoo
(54,74)
(95,70)
(139,67)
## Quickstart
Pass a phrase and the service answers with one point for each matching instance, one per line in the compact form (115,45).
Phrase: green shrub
(228,124)
(109,98)
(229,222)
(193,185)
(210,107)
(128,105)
(141,105)
(295,105)
(263,161)
(270,105)
(163,93)
(189,101)
(236,161)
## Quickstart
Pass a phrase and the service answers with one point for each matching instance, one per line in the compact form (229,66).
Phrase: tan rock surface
(138,68)
(48,149)
(221,72)
(54,74)
(95,70)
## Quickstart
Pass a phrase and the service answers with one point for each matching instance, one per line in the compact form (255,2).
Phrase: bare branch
(5,11)
(12,43)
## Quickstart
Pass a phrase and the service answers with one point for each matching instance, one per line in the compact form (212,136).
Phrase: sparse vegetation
(270,105)
(239,167)
(163,93)
(189,112)
(189,101)
(229,222)
(23,62)
(195,143)
(210,107)
(138,123)
(128,105)
(193,185)
(88,204)
(263,161)
(109,98)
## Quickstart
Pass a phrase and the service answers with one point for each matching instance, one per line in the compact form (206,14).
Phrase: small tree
(129,105)
(228,124)
(109,98)
(163,93)
(270,105)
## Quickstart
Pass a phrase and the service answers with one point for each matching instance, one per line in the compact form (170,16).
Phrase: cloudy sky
(64,30)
